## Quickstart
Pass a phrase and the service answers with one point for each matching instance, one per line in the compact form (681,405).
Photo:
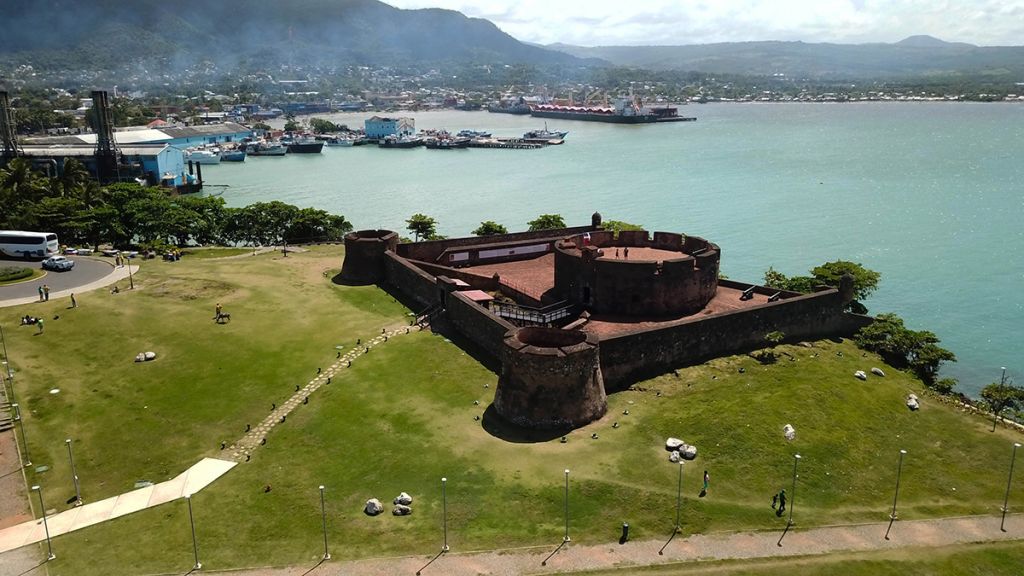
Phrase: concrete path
(115,275)
(690,549)
(190,481)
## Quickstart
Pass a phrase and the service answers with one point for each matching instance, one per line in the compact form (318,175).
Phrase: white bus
(19,244)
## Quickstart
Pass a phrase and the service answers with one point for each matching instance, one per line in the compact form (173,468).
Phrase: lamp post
(323,517)
(896,495)
(24,439)
(792,495)
(566,537)
(42,508)
(1006,499)
(444,512)
(74,473)
(195,547)
(131,280)
(679,496)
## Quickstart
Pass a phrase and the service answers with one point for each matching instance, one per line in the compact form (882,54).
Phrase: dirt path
(697,547)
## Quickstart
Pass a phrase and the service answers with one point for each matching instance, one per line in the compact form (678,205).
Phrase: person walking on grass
(40,324)
(218,311)
(74,303)
(707,479)
(782,503)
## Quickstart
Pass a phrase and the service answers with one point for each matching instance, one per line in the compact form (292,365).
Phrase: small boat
(545,134)
(203,156)
(447,143)
(473,134)
(266,149)
(236,155)
(340,141)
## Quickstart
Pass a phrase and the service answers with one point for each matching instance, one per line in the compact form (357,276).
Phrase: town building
(380,127)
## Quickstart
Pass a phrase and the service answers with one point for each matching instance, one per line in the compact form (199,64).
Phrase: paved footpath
(698,547)
(116,275)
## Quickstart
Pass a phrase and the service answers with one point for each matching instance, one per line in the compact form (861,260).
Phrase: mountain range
(167,36)
(913,57)
(109,33)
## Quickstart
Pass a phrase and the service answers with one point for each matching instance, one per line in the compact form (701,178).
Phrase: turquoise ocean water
(929,194)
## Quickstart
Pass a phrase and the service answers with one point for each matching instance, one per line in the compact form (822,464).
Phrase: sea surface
(931,195)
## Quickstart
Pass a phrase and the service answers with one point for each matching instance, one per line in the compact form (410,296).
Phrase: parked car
(58,264)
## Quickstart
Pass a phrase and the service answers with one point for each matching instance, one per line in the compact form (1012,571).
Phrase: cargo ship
(625,111)
(510,107)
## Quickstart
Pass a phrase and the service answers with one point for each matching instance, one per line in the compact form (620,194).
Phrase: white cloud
(608,22)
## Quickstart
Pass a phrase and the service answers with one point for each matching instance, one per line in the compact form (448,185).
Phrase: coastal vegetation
(80,211)
(422,226)
(490,228)
(406,415)
(865,281)
(546,222)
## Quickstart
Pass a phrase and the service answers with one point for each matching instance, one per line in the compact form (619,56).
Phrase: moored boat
(305,145)
(400,142)
(203,156)
(262,148)
(545,134)
(236,155)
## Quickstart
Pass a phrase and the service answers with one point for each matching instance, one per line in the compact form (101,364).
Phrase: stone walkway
(682,550)
(190,481)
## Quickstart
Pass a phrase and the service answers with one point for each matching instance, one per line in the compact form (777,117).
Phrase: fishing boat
(305,145)
(545,134)
(263,148)
(203,156)
(340,141)
(473,134)
(403,141)
(236,155)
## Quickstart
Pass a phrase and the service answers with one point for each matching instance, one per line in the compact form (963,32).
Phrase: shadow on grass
(498,427)
(337,279)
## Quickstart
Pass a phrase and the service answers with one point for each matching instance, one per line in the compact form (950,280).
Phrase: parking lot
(86,271)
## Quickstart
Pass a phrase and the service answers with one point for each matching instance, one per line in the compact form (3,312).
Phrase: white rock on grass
(789,432)
(912,402)
(687,452)
(150,355)
(673,456)
(673,444)
(404,499)
(877,372)
(861,375)
(402,510)
(373,507)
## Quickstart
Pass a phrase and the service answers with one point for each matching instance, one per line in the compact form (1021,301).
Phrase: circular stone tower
(550,379)
(364,255)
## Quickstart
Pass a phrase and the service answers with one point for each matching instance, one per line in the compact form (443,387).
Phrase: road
(86,271)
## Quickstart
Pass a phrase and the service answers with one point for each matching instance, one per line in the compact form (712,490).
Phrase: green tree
(547,222)
(321,126)
(618,226)
(422,226)
(775,279)
(917,350)
(865,281)
(490,228)
(1001,396)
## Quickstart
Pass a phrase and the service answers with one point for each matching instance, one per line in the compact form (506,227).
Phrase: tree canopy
(490,228)
(902,347)
(422,226)
(865,281)
(547,222)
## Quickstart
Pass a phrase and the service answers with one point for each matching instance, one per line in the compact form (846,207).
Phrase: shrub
(11,273)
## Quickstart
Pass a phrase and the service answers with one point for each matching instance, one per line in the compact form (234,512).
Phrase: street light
(679,495)
(1006,499)
(444,508)
(899,472)
(195,547)
(24,439)
(323,517)
(74,473)
(792,495)
(566,538)
(42,508)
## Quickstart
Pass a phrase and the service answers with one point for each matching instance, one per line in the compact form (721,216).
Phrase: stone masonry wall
(410,281)
(475,323)
(430,250)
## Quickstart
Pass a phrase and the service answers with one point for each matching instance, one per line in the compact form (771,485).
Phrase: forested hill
(104,34)
(916,56)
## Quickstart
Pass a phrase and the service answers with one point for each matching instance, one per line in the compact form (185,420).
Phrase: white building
(378,127)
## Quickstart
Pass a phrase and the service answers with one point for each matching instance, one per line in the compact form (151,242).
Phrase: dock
(513,143)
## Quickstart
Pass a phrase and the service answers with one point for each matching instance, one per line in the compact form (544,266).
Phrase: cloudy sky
(621,22)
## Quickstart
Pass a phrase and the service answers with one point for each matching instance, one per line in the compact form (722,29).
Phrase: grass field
(403,417)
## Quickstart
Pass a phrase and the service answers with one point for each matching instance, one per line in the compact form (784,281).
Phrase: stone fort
(581,312)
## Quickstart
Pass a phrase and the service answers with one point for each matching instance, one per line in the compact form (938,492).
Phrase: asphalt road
(86,270)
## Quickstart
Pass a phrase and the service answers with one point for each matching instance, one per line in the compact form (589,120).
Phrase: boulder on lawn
(140,357)
(861,375)
(789,432)
(673,444)
(912,402)
(687,452)
(373,507)
(401,510)
(877,372)
(673,456)
(404,499)
(150,356)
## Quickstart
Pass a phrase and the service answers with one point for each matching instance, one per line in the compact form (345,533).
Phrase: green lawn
(403,417)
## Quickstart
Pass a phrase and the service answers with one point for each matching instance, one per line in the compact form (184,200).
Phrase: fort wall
(364,255)
(634,356)
(475,323)
(431,250)
(413,283)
